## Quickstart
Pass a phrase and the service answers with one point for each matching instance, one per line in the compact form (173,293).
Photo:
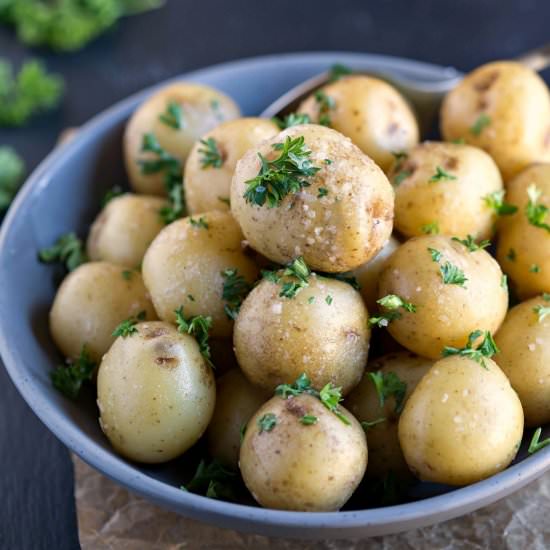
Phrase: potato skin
(445,313)
(156,394)
(462,423)
(385,453)
(517,102)
(90,304)
(236,401)
(203,108)
(124,229)
(521,246)
(457,206)
(372,113)
(184,264)
(334,233)
(525,358)
(312,468)
(276,339)
(209,188)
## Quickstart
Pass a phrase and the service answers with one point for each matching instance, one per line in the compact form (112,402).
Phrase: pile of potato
(248,322)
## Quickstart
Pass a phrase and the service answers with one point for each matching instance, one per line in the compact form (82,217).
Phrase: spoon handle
(537,59)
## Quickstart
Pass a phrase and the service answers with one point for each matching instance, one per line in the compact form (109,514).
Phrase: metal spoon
(424,95)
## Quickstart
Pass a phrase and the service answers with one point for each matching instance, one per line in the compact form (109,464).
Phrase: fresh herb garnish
(199,327)
(480,124)
(435,254)
(67,250)
(542,311)
(496,201)
(201,223)
(12,169)
(297,271)
(292,119)
(173,116)
(470,243)
(534,268)
(487,348)
(267,422)
(308,420)
(337,71)
(235,289)
(388,384)
(110,194)
(368,425)
(329,299)
(128,326)
(211,154)
(452,274)
(430,228)
(441,175)
(392,303)
(511,255)
(326,104)
(401,176)
(535,212)
(322,192)
(536,444)
(214,481)
(504,282)
(126,274)
(69,379)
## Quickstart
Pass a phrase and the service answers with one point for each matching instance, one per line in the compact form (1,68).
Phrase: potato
(321,331)
(184,265)
(525,357)
(504,108)
(367,275)
(208,185)
(446,312)
(155,393)
(462,423)
(385,454)
(236,401)
(523,248)
(369,111)
(124,229)
(441,188)
(177,115)
(289,465)
(91,302)
(340,220)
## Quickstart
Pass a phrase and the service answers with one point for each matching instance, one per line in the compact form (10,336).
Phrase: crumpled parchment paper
(111,517)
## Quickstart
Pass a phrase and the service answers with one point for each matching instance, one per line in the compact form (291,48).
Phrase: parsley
(452,274)
(327,161)
(542,312)
(267,422)
(504,282)
(29,92)
(173,116)
(211,154)
(384,320)
(68,250)
(487,348)
(292,119)
(337,71)
(111,194)
(511,256)
(12,170)
(430,228)
(200,223)
(199,327)
(309,420)
(191,297)
(235,289)
(176,207)
(311,299)
(368,425)
(128,327)
(470,243)
(480,124)
(225,200)
(496,201)
(242,433)
(126,274)
(389,385)
(441,175)
(326,104)
(534,268)
(330,397)
(69,379)
(322,192)
(213,480)
(283,175)
(297,271)
(459,141)
(435,254)
(329,299)
(535,212)
(401,176)
(392,303)
(536,444)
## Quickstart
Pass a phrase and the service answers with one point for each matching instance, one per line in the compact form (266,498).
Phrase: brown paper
(111,517)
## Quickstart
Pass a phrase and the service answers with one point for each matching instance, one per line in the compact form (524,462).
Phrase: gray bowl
(63,194)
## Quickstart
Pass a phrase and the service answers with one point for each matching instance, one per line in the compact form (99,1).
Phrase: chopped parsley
(435,254)
(337,71)
(536,212)
(326,104)
(267,422)
(368,425)
(214,481)
(542,311)
(297,271)
(430,228)
(292,119)
(127,274)
(322,192)
(452,274)
(110,194)
(534,268)
(441,175)
(388,384)
(128,326)
(173,116)
(199,327)
(496,201)
(480,124)
(504,282)
(67,250)
(211,156)
(401,176)
(201,223)
(487,348)
(308,420)
(12,169)
(392,303)
(68,379)
(235,289)
(470,243)
(329,299)
(536,444)
(511,255)
(311,299)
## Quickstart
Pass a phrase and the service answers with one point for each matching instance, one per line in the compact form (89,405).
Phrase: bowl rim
(374,521)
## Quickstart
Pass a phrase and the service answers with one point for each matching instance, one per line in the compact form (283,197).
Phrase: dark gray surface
(36,478)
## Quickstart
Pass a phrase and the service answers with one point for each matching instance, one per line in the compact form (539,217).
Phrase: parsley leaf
(201,223)
(128,327)
(470,243)
(292,119)
(322,192)
(337,71)
(435,254)
(441,175)
(213,480)
(401,176)
(368,425)
(480,124)
(69,379)
(430,228)
(535,212)
(267,422)
(392,303)
(110,194)
(534,268)
(388,384)
(496,201)
(308,420)
(297,271)
(199,327)
(12,170)
(330,397)
(452,274)
(326,104)
(487,348)
(536,444)
(511,255)
(67,250)
(235,289)
(542,312)
(329,299)
(211,154)
(173,116)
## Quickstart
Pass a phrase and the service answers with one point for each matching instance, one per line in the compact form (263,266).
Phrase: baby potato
(341,217)
(462,423)
(525,356)
(371,112)
(503,108)
(212,160)
(236,401)
(524,246)
(155,393)
(184,265)
(298,455)
(441,188)
(91,302)
(177,115)
(401,372)
(447,290)
(321,331)
(124,229)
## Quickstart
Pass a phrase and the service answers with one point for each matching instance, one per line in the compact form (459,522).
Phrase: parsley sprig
(12,169)
(441,175)
(292,119)
(326,104)
(431,228)
(235,289)
(267,422)
(67,250)
(173,116)
(388,384)
(199,327)
(487,348)
(450,273)
(392,303)
(480,124)
(201,223)
(297,271)
(338,71)
(536,212)
(214,481)
(128,326)
(211,156)
(68,379)
(369,424)
(470,243)
(495,200)
(536,444)
(541,310)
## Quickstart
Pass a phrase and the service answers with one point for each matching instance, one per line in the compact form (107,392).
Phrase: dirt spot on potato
(485,82)
(167,362)
(149,333)
(295,408)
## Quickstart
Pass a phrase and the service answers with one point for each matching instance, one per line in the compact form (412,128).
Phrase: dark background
(36,481)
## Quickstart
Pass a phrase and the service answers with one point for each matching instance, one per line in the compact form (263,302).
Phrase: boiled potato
(91,302)
(124,229)
(462,423)
(369,111)
(155,393)
(338,221)
(321,331)
(212,160)
(455,291)
(441,188)
(523,248)
(525,356)
(184,265)
(236,401)
(289,465)
(177,115)
(401,371)
(504,108)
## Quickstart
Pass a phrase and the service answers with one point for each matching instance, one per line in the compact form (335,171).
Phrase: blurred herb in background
(67,25)
(12,170)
